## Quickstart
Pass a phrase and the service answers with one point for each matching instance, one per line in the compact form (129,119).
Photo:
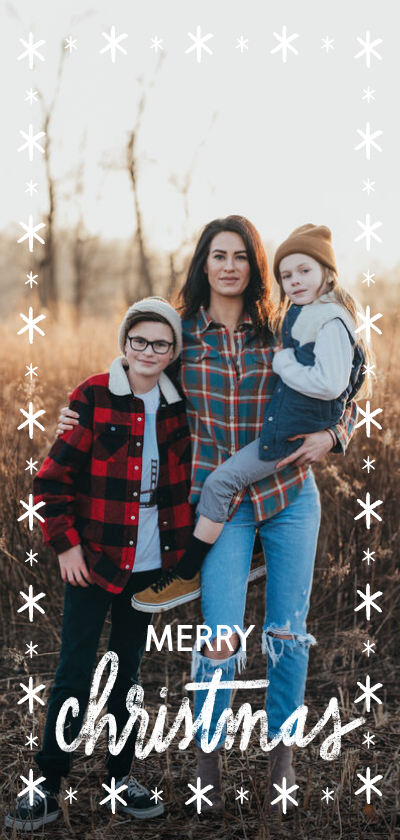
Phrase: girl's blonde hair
(346,300)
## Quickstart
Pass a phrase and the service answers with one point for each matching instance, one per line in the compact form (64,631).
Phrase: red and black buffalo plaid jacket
(90,480)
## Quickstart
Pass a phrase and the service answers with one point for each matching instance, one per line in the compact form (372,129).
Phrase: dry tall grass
(65,356)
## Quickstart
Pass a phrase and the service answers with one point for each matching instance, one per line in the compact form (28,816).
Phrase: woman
(226,375)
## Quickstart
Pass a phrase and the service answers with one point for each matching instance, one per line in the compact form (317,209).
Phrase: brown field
(68,354)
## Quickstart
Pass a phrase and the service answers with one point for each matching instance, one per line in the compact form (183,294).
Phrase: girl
(319,364)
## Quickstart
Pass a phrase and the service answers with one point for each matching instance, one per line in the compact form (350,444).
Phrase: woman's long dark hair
(257,297)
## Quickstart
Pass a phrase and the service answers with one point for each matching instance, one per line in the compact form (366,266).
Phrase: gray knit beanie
(157,306)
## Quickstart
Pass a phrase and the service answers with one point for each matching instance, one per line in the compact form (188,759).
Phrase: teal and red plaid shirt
(227,393)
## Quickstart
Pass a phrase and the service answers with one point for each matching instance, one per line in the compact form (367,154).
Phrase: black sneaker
(137,798)
(30,817)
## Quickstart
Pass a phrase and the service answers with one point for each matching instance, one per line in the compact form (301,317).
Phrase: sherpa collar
(119,383)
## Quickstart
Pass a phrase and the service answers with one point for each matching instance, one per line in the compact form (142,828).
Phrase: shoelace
(25,803)
(133,785)
(163,581)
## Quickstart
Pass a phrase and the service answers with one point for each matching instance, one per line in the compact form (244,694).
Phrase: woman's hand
(278,348)
(73,567)
(67,420)
(315,446)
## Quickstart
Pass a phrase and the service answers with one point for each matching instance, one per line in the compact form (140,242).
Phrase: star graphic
(242,44)
(31,649)
(156,44)
(328,794)
(31,557)
(284,795)
(368,48)
(31,741)
(31,511)
(368,276)
(31,49)
(368,140)
(113,792)
(157,795)
(31,233)
(31,369)
(327,44)
(199,43)
(31,189)
(31,141)
(31,324)
(31,466)
(368,464)
(368,510)
(369,187)
(32,95)
(31,603)
(70,795)
(242,795)
(368,369)
(32,786)
(368,601)
(368,231)
(70,44)
(368,555)
(369,739)
(31,420)
(31,280)
(368,94)
(199,794)
(368,323)
(369,785)
(31,694)
(114,44)
(368,417)
(368,693)
(284,44)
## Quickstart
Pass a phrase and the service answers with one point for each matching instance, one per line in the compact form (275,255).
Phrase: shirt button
(232,417)
(139,419)
(135,494)
(113,428)
(265,448)
(126,567)
(278,390)
(131,542)
(165,522)
(166,548)
(133,517)
(270,418)
(138,443)
(136,468)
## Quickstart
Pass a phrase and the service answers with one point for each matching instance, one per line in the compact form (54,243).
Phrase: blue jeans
(289,540)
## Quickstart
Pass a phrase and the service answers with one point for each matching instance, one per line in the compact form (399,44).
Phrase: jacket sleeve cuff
(63,542)
(341,438)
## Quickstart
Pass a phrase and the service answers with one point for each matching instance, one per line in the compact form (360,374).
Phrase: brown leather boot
(280,759)
(209,769)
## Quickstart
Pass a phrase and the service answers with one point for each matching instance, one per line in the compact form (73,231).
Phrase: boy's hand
(278,348)
(73,567)
(67,420)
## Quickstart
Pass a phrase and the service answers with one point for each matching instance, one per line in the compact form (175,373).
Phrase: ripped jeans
(289,540)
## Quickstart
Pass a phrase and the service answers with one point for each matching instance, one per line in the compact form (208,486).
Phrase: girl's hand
(278,348)
(67,420)
(315,446)
(73,567)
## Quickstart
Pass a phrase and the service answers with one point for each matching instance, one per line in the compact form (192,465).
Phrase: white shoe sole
(30,825)
(141,813)
(167,605)
(259,571)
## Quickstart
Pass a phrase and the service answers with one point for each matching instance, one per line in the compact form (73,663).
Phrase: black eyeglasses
(139,343)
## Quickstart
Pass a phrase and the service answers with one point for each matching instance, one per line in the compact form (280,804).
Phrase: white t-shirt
(148,552)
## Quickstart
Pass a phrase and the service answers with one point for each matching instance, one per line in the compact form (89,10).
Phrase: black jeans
(85,610)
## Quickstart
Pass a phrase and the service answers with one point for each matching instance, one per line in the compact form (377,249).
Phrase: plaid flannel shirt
(227,395)
(90,480)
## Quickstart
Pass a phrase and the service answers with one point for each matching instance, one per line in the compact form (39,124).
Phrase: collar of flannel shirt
(205,321)
(120,386)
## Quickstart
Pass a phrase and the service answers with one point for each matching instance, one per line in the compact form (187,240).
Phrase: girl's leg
(289,540)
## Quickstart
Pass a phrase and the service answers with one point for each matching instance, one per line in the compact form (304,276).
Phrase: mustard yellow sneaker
(167,592)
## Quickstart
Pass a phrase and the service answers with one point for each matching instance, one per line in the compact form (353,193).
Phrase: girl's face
(227,265)
(301,278)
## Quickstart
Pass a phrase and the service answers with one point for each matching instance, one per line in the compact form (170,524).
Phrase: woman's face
(227,265)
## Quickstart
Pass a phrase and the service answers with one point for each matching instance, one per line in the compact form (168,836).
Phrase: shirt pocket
(111,441)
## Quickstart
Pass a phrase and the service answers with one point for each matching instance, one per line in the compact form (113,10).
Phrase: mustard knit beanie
(312,240)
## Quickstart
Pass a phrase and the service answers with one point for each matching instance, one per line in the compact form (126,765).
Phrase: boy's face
(146,362)
(301,278)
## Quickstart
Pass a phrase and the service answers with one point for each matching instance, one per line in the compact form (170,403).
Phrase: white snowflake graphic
(31,279)
(369,785)
(284,44)
(31,466)
(369,739)
(369,187)
(199,794)
(31,233)
(31,741)
(368,510)
(32,786)
(368,231)
(368,464)
(114,44)
(242,43)
(368,555)
(31,649)
(157,795)
(113,794)
(31,370)
(70,795)
(368,140)
(156,44)
(31,50)
(31,325)
(32,95)
(368,48)
(368,601)
(31,511)
(369,94)
(328,794)
(284,795)
(368,323)
(31,695)
(199,43)
(327,44)
(368,416)
(368,278)
(31,420)
(31,143)
(70,45)
(31,557)
(31,603)
(31,189)
(369,369)
(368,694)
(242,795)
